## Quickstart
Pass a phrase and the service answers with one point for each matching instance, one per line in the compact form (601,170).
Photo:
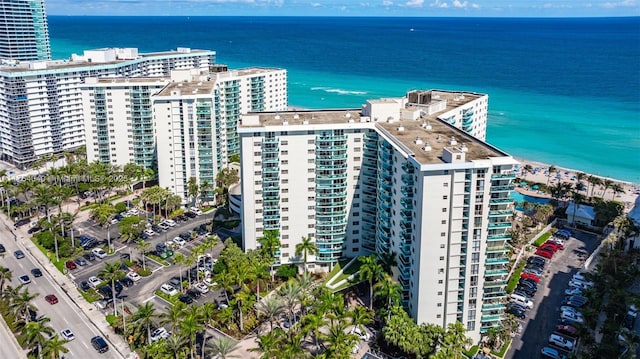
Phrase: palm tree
(360,317)
(577,198)
(173,315)
(111,273)
(180,259)
(269,344)
(594,181)
(54,347)
(34,335)
(552,169)
(306,247)
(370,270)
(189,326)
(176,344)
(222,346)
(617,188)
(271,307)
(21,303)
(456,340)
(44,197)
(313,323)
(142,247)
(104,214)
(211,242)
(607,183)
(289,293)
(388,289)
(144,317)
(193,189)
(269,245)
(5,275)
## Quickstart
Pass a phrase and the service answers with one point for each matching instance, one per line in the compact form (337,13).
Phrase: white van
(579,277)
(515,298)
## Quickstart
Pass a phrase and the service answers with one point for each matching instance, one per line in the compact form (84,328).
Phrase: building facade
(43,101)
(392,177)
(24,31)
(197,123)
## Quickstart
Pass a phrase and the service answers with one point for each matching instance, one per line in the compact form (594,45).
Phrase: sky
(428,8)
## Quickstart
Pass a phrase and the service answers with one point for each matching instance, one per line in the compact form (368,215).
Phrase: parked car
(186,299)
(548,247)
(567,308)
(99,252)
(201,287)
(185,235)
(70,265)
(51,299)
(561,342)
(149,232)
(169,222)
(84,285)
(99,344)
(2,248)
(194,293)
(575,304)
(567,330)
(516,312)
(134,276)
(548,244)
(163,225)
(190,214)
(537,260)
(552,353)
(580,285)
(532,276)
(106,291)
(158,334)
(126,281)
(168,289)
(89,256)
(544,253)
(556,242)
(179,241)
(529,281)
(572,317)
(36,272)
(80,261)
(572,291)
(195,210)
(577,298)
(94,281)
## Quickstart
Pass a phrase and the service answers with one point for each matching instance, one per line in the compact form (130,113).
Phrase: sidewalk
(94,316)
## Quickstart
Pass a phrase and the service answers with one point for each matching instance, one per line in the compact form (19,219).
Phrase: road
(64,314)
(542,319)
(10,347)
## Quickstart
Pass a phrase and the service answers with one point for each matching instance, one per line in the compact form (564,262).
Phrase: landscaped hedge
(543,238)
(515,277)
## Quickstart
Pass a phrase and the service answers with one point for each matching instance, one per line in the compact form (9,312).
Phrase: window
(443,234)
(440,281)
(439,304)
(442,246)
(441,258)
(444,210)
(445,184)
(444,221)
(445,197)
(439,293)
(441,271)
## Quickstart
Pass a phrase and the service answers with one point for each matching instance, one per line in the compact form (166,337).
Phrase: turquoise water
(561,91)
(519,197)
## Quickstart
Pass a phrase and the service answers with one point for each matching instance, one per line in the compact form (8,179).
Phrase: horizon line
(374,16)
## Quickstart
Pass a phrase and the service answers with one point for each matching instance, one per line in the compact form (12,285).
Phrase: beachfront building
(24,34)
(119,120)
(392,177)
(197,122)
(42,100)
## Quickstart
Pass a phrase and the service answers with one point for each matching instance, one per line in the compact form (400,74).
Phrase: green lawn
(352,269)
(171,299)
(515,277)
(503,350)
(543,238)
(472,351)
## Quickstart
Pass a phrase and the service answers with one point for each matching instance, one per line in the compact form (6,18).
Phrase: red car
(567,329)
(51,299)
(70,265)
(560,245)
(550,245)
(545,253)
(532,276)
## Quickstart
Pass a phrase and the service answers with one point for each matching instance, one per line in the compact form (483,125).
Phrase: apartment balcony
(501,213)
(496,261)
(492,317)
(496,272)
(407,179)
(498,237)
(493,307)
(503,225)
(505,175)
(499,201)
(407,204)
(497,249)
(507,188)
(495,284)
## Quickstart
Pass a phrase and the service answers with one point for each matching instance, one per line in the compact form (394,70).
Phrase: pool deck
(527,192)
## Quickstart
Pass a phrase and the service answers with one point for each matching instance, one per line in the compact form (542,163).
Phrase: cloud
(438,4)
(387,3)
(617,4)
(315,4)
(460,5)
(414,3)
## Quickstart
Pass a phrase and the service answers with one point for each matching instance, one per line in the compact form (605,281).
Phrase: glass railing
(500,225)
(506,175)
(495,272)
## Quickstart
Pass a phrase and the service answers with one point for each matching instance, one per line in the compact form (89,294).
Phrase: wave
(338,91)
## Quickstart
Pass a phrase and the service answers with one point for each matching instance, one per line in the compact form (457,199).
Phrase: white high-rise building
(197,120)
(24,32)
(42,101)
(119,119)
(393,177)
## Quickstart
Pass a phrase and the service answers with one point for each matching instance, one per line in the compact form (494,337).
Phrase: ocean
(561,91)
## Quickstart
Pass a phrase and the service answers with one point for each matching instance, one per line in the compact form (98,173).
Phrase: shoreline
(568,175)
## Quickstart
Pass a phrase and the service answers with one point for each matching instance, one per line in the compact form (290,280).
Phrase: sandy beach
(566,175)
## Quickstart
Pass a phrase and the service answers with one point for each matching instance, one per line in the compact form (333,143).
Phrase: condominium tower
(24,33)
(42,101)
(197,122)
(393,177)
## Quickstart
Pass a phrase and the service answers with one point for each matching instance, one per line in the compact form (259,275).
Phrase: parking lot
(541,321)
(143,290)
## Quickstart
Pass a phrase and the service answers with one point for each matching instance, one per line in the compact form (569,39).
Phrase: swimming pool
(519,197)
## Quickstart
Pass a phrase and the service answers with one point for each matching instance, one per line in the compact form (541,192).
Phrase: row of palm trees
(593,181)
(38,337)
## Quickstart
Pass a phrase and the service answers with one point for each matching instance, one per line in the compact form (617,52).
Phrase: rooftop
(412,135)
(186,88)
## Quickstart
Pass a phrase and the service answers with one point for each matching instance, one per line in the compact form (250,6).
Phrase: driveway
(542,319)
